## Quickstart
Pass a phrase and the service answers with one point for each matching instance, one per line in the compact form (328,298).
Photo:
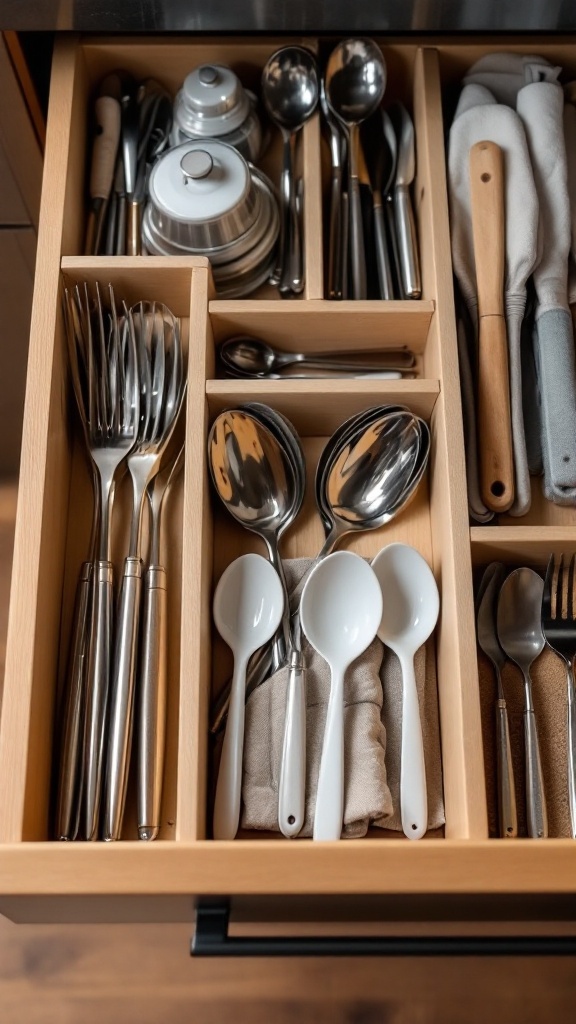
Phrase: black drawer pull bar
(211,939)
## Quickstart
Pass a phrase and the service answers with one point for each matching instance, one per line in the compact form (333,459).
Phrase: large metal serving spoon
(255,358)
(355,84)
(290,89)
(521,638)
(256,482)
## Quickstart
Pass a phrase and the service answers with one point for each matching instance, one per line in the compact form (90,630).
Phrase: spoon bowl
(410,614)
(369,478)
(248,605)
(340,611)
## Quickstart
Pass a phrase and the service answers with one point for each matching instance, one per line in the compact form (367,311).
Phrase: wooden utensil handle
(494,422)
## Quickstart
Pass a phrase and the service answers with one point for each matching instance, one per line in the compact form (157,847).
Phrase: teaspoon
(521,638)
(255,358)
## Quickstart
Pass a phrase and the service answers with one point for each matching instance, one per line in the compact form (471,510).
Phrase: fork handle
(507,816)
(97,693)
(535,799)
(122,698)
(71,772)
(152,703)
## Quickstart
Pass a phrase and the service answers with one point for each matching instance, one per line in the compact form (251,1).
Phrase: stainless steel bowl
(244,256)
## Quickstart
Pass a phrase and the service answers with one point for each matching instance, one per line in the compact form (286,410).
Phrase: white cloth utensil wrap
(541,106)
(497,123)
(529,84)
(372,738)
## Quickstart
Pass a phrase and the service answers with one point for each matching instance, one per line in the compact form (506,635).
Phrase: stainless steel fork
(112,425)
(559,631)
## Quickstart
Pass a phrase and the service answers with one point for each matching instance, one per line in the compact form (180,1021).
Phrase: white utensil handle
(229,785)
(413,796)
(291,797)
(330,793)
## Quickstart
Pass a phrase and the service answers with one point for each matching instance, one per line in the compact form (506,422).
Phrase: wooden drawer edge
(352,868)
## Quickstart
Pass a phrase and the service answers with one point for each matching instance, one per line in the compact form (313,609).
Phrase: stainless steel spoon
(253,357)
(255,481)
(290,90)
(488,641)
(521,638)
(355,84)
(292,781)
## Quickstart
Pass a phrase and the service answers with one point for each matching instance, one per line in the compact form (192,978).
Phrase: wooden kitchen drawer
(52,523)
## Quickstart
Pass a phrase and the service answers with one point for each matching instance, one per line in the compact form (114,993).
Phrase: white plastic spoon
(410,613)
(340,611)
(247,609)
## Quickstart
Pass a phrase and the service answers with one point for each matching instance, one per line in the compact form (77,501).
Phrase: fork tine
(570,607)
(547,592)
(159,372)
(102,367)
(131,393)
(113,362)
(94,418)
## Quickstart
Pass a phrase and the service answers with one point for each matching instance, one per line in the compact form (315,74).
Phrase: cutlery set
(366,475)
(174,177)
(371,221)
(128,373)
(519,614)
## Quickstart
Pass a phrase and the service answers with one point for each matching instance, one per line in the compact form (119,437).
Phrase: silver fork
(161,377)
(112,421)
(560,635)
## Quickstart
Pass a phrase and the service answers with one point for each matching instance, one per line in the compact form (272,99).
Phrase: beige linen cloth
(372,738)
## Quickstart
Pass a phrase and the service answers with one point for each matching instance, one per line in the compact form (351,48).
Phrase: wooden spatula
(494,423)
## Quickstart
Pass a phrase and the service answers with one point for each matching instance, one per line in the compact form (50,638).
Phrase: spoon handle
(229,784)
(286,204)
(413,795)
(291,795)
(329,811)
(357,253)
(335,242)
(507,817)
(295,260)
(535,799)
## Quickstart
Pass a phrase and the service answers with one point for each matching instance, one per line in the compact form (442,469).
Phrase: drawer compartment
(53,519)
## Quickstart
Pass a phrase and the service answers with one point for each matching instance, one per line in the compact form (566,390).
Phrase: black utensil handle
(211,939)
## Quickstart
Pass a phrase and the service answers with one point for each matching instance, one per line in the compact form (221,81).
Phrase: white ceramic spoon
(411,605)
(340,611)
(247,610)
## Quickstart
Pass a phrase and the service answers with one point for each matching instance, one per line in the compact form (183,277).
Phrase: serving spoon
(248,604)
(340,610)
(410,614)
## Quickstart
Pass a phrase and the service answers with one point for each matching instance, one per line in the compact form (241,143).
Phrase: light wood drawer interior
(53,522)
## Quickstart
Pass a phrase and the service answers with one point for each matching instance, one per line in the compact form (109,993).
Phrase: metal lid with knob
(212,102)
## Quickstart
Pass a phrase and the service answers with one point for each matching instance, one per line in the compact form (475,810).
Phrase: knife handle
(494,421)
(407,243)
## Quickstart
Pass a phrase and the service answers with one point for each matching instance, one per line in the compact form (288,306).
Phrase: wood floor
(142,974)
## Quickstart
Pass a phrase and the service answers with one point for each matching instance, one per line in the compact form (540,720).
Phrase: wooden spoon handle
(494,423)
